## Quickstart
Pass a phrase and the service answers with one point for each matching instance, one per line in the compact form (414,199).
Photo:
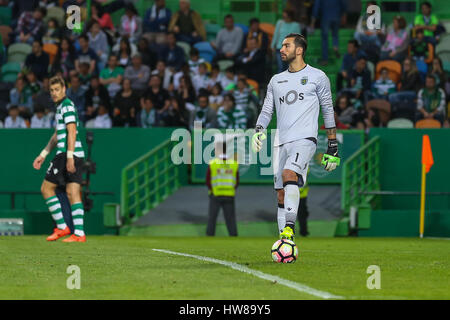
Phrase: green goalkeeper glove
(258,138)
(331,158)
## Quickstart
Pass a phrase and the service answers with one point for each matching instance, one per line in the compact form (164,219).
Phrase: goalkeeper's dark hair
(299,41)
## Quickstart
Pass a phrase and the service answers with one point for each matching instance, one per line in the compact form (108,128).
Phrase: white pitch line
(291,284)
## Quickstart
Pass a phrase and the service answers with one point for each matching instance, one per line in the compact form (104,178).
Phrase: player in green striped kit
(66,167)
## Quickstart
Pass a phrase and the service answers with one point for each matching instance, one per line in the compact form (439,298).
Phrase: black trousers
(303,216)
(227,204)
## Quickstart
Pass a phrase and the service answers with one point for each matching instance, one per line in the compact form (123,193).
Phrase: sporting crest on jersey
(304,80)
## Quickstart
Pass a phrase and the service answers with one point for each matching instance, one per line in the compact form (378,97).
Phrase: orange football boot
(75,238)
(58,233)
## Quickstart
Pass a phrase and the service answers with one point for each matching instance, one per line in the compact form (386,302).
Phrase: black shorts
(57,172)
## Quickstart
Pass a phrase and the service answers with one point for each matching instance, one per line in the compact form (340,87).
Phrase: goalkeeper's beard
(288,59)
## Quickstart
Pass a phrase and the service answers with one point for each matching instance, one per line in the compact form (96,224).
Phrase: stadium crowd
(159,69)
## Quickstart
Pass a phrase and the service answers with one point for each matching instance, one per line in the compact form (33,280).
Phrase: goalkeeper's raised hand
(258,138)
(331,158)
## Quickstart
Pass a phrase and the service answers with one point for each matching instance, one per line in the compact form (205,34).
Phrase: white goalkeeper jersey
(296,97)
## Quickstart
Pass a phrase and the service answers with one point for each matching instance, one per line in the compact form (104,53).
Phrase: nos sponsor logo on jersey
(291,97)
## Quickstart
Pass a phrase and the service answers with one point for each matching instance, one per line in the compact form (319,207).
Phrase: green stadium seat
(18,52)
(400,123)
(211,31)
(444,44)
(57,13)
(444,56)
(5,16)
(224,64)
(10,71)
(186,47)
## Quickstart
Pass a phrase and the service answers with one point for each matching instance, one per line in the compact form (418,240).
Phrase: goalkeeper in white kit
(296,94)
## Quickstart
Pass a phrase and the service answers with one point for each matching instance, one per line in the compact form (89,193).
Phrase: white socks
(281,217)
(291,201)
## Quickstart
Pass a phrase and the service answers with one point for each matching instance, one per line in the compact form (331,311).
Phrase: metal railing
(361,175)
(148,181)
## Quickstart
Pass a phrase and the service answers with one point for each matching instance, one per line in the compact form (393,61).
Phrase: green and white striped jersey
(67,113)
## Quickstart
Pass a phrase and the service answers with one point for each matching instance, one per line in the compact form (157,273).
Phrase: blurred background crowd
(162,69)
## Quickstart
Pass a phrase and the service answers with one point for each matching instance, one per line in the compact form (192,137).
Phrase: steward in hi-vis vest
(222,179)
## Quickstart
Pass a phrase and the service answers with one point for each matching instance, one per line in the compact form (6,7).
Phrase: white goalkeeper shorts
(294,156)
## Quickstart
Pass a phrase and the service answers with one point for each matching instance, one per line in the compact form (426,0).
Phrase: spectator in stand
(201,80)
(43,97)
(65,58)
(216,98)
(138,73)
(410,83)
(177,114)
(148,55)
(96,95)
(164,73)
(99,43)
(195,60)
(229,81)
(431,101)
(418,49)
(21,97)
(360,82)
(283,27)
(14,121)
(102,120)
(173,54)
(427,22)
(437,70)
(253,62)
(52,33)
(215,77)
(30,26)
(86,55)
(186,90)
(19,6)
(130,24)
(260,36)
(111,77)
(396,45)
(383,87)
(38,60)
(125,52)
(102,17)
(203,113)
(243,95)
(149,117)
(77,94)
(228,40)
(39,120)
(160,97)
(345,113)
(126,106)
(348,63)
(369,38)
(331,14)
(229,116)
(33,83)
(84,75)
(187,24)
(156,22)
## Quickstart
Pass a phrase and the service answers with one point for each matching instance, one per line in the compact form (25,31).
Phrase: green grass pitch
(128,268)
